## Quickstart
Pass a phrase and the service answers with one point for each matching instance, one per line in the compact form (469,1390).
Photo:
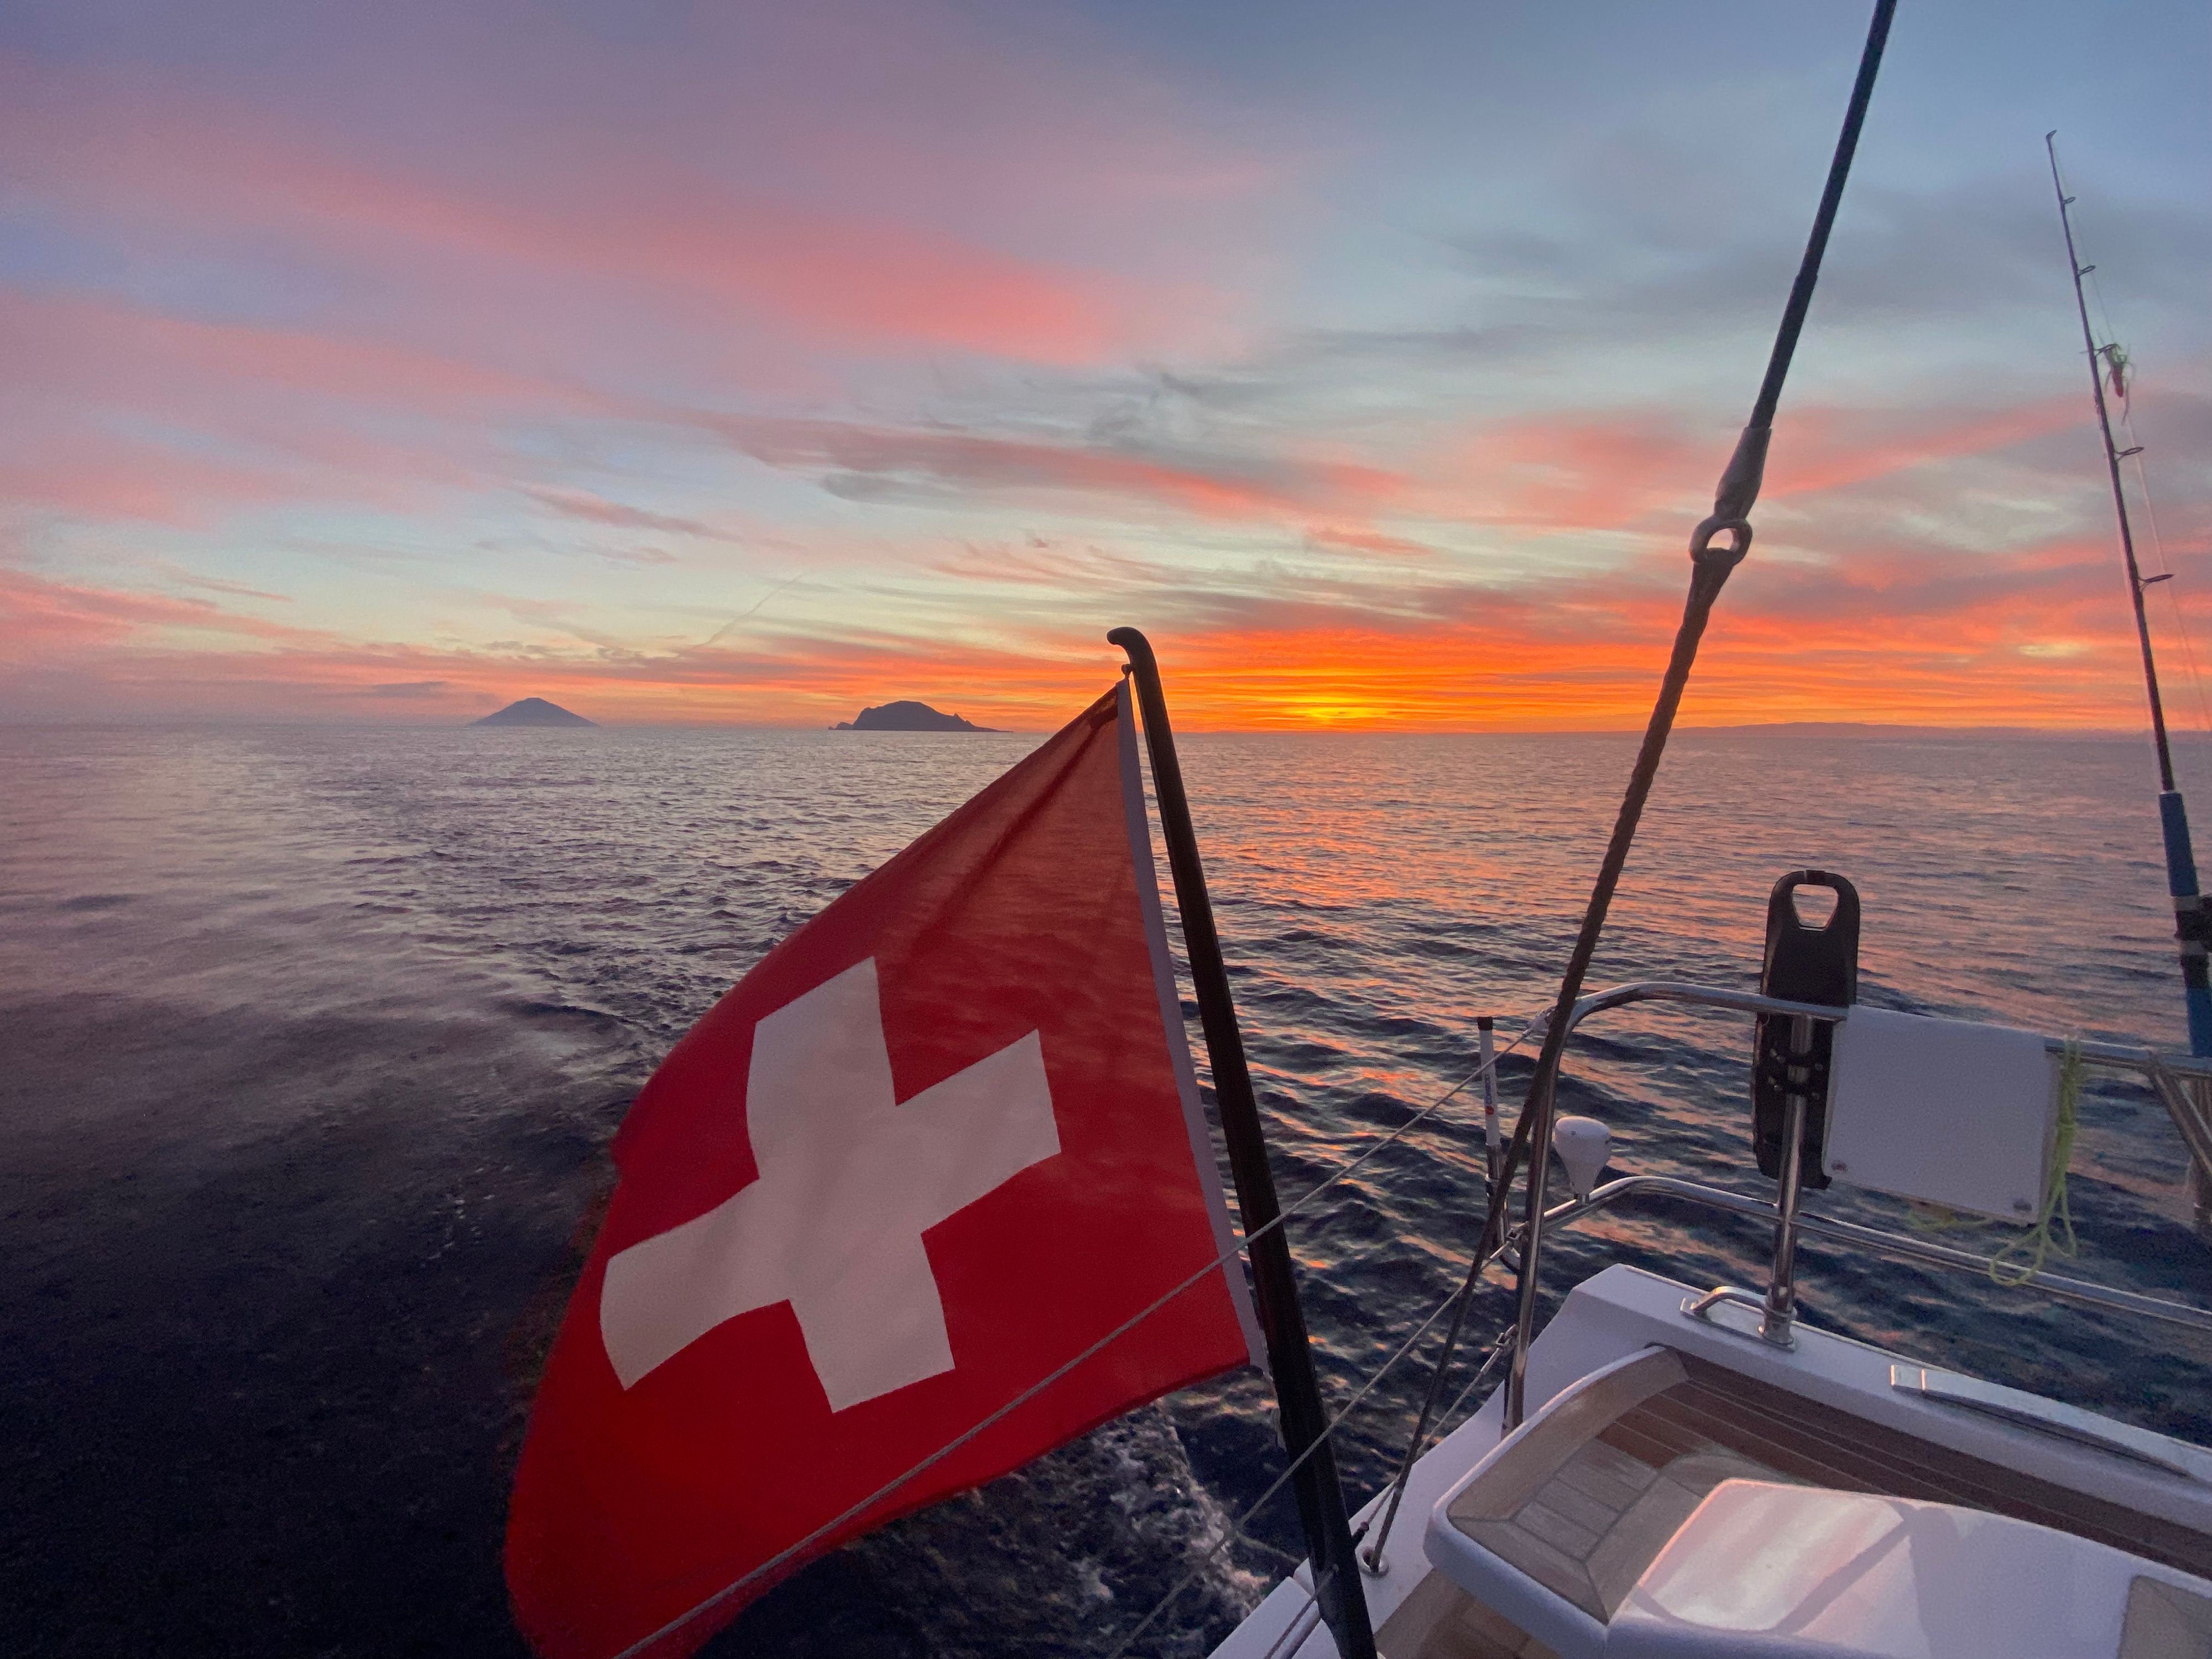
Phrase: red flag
(941,1140)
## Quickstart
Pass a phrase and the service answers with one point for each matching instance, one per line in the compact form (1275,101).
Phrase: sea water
(313,1039)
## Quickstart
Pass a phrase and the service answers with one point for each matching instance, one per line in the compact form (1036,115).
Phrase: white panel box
(1943,1110)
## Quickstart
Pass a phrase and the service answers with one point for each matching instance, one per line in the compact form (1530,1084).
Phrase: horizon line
(1840,726)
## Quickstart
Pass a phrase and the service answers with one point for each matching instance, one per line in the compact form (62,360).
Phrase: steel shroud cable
(1711,567)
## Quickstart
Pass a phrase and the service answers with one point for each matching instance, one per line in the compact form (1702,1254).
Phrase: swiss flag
(942,1140)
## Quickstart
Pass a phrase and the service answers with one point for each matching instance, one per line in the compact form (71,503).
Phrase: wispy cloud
(213,585)
(580,504)
(753,363)
(863,463)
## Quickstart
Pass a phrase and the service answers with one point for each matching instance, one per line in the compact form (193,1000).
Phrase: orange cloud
(2043,643)
(188,421)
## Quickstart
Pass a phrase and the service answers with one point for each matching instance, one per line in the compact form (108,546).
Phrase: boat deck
(1585,1502)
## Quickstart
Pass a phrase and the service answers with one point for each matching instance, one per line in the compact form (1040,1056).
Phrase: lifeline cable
(1709,569)
(2020,1263)
(786,1557)
(1235,1528)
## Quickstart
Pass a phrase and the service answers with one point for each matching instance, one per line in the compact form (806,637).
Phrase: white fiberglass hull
(2150,1488)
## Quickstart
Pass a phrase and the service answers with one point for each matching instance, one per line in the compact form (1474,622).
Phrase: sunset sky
(747,362)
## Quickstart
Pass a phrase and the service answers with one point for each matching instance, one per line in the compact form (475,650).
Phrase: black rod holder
(1320,1496)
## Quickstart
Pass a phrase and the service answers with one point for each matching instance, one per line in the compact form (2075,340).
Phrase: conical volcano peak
(533,711)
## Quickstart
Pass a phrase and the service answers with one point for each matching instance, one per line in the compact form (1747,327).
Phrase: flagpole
(1337,1584)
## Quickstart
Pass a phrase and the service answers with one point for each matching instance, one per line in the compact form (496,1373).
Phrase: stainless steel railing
(2166,1075)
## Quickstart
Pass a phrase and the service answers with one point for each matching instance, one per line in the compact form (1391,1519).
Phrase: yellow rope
(2023,1258)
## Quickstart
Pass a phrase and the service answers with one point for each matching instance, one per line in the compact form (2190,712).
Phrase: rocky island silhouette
(533,711)
(907,716)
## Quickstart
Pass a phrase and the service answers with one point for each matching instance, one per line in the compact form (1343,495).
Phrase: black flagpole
(1321,1498)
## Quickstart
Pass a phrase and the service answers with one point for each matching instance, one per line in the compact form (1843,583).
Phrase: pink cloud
(215,416)
(143,151)
(1600,471)
(518,286)
(618,515)
(42,619)
(892,460)
(1646,469)
(1350,540)
(106,477)
(97,350)
(1819,449)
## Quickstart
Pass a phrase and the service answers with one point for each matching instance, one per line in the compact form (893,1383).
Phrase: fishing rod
(2192,925)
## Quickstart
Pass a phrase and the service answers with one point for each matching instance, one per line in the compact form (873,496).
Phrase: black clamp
(1803,963)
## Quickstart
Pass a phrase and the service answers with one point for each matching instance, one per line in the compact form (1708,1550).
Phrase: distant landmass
(906,717)
(534,711)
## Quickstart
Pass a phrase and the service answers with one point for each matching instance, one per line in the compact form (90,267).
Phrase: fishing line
(2125,387)
(2103,359)
(2173,597)
(2165,566)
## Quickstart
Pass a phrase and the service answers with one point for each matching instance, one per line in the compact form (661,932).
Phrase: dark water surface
(312,1040)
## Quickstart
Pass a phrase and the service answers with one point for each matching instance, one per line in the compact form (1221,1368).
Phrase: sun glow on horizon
(750,366)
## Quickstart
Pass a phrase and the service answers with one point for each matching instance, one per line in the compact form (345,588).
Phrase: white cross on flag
(942,1140)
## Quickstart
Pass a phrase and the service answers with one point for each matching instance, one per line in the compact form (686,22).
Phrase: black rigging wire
(1710,568)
